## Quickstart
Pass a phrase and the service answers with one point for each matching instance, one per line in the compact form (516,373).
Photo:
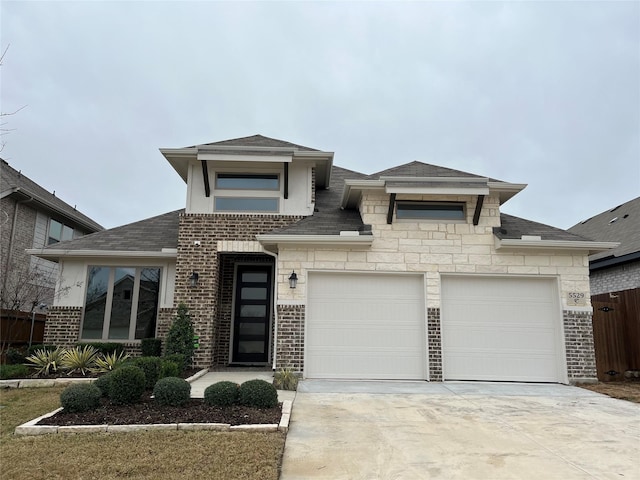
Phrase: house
(287,260)
(32,217)
(615,288)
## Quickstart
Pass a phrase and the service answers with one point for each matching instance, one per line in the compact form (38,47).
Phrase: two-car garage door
(373,326)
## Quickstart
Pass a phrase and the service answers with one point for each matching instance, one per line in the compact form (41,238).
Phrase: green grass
(143,455)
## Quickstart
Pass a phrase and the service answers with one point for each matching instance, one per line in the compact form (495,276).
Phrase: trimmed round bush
(221,394)
(126,385)
(258,393)
(103,382)
(169,369)
(151,368)
(172,391)
(80,397)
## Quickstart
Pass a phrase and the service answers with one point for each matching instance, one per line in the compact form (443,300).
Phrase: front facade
(410,273)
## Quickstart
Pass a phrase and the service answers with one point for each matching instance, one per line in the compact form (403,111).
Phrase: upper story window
(247,192)
(439,211)
(58,232)
(247,181)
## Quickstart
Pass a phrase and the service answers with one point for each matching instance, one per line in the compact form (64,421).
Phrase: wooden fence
(15,328)
(616,333)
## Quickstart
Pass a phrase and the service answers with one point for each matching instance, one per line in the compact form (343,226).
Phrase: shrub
(126,385)
(172,391)
(13,371)
(258,393)
(104,347)
(178,359)
(103,382)
(80,397)
(14,356)
(109,361)
(169,369)
(79,359)
(45,361)
(151,368)
(151,347)
(285,379)
(34,348)
(221,394)
(180,336)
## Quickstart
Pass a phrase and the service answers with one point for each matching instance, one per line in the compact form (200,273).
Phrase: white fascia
(353,189)
(506,190)
(517,244)
(54,254)
(439,190)
(352,240)
(179,158)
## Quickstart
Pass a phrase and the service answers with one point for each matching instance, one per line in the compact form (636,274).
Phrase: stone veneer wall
(578,334)
(290,342)
(203,258)
(434,342)
(63,326)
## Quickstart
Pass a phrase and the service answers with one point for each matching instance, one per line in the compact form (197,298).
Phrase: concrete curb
(197,375)
(30,427)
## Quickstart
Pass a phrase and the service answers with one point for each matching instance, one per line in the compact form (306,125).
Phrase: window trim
(435,204)
(248,176)
(62,229)
(248,193)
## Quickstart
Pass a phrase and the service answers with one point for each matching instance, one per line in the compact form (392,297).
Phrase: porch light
(293,279)
(193,279)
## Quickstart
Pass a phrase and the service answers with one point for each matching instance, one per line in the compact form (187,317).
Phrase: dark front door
(252,314)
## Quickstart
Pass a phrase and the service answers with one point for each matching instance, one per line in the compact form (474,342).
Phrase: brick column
(435,344)
(62,327)
(290,347)
(578,337)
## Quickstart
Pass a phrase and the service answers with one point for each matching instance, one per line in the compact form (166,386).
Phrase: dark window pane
(95,302)
(253,311)
(67,233)
(253,293)
(121,306)
(252,328)
(247,181)
(254,277)
(55,231)
(430,211)
(148,303)
(246,204)
(250,347)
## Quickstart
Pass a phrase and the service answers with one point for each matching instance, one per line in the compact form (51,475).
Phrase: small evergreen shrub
(45,361)
(151,368)
(80,397)
(78,359)
(151,347)
(14,356)
(34,348)
(258,393)
(177,358)
(126,385)
(221,394)
(103,383)
(285,379)
(107,362)
(180,336)
(104,347)
(169,369)
(7,372)
(172,391)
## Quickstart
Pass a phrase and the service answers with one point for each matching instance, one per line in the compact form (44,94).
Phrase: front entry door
(252,314)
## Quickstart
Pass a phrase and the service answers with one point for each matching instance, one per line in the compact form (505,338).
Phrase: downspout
(12,237)
(275,307)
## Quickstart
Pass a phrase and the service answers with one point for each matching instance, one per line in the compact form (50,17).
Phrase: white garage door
(502,329)
(365,326)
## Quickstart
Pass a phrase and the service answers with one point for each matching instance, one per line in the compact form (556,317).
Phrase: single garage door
(365,326)
(501,329)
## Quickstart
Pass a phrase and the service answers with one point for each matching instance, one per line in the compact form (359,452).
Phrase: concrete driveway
(416,430)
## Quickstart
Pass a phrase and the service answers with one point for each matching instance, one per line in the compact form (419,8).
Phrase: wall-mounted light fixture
(193,279)
(293,279)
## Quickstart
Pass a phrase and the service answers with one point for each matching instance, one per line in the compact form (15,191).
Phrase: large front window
(121,303)
(247,192)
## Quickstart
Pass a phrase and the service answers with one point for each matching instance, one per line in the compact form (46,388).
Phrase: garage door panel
(367,326)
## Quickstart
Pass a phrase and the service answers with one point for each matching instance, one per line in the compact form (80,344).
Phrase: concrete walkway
(420,430)
(198,386)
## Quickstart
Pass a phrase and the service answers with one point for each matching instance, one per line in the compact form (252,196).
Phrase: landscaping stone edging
(30,427)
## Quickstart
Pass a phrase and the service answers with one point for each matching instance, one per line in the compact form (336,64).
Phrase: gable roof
(515,227)
(256,141)
(619,224)
(420,169)
(14,183)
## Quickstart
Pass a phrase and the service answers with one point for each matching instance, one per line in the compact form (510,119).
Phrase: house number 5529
(577,298)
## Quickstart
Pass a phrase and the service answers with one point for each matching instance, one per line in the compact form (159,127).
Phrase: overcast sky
(543,93)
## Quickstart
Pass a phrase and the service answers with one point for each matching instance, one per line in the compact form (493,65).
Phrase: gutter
(346,239)
(275,308)
(54,254)
(537,243)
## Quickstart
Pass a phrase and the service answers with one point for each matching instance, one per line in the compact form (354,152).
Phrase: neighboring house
(286,260)
(615,288)
(32,217)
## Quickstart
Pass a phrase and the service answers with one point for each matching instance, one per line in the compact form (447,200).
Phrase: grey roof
(420,169)
(14,183)
(149,235)
(514,227)
(329,218)
(619,224)
(258,141)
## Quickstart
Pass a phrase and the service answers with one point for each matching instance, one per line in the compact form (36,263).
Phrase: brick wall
(63,326)
(203,300)
(290,342)
(578,333)
(434,344)
(615,279)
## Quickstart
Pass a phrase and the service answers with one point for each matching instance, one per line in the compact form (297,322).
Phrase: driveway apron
(420,430)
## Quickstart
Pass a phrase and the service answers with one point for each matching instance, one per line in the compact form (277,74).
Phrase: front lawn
(140,455)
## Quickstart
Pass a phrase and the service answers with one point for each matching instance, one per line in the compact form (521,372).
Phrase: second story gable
(251,175)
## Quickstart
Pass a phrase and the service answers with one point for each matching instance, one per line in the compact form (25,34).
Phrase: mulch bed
(149,412)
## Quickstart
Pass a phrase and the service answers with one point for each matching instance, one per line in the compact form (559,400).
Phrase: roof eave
(353,190)
(56,254)
(352,239)
(506,190)
(588,246)
(176,158)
